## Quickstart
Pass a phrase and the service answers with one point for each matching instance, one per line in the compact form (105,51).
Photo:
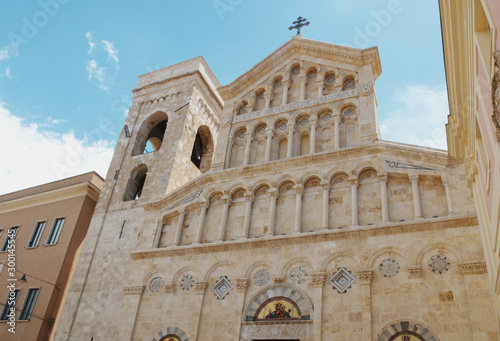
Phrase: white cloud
(102,75)
(97,73)
(419,117)
(4,53)
(112,52)
(7,73)
(88,35)
(33,156)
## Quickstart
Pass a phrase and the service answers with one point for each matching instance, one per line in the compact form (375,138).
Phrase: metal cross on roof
(300,22)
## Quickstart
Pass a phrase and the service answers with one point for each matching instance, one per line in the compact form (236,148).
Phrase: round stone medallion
(156,284)
(187,282)
(299,275)
(261,277)
(389,268)
(439,263)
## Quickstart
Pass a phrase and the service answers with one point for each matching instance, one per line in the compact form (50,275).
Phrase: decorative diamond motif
(342,280)
(304,121)
(313,75)
(262,130)
(439,263)
(296,71)
(299,275)
(282,126)
(277,84)
(241,135)
(389,268)
(156,284)
(187,282)
(330,80)
(243,109)
(222,287)
(261,277)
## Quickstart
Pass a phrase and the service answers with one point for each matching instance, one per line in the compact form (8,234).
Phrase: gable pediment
(309,51)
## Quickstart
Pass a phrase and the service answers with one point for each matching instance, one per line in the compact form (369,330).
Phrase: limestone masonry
(270,209)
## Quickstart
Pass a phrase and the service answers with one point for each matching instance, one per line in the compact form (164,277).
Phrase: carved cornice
(473,268)
(133,290)
(420,225)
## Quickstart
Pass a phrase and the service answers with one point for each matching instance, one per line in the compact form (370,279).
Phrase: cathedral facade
(270,209)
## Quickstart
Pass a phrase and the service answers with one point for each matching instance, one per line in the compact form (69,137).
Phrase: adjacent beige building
(271,209)
(472,58)
(48,224)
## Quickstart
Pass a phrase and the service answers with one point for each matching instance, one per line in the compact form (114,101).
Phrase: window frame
(22,310)
(6,242)
(49,237)
(35,229)
(7,306)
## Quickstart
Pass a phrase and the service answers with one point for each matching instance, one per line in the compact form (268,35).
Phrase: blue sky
(67,67)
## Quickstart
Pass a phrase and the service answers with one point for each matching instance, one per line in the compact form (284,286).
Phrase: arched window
(329,86)
(135,184)
(348,84)
(311,84)
(203,149)
(242,109)
(150,135)
(277,93)
(260,100)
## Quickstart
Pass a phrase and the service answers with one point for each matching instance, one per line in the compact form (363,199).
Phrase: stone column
(326,198)
(225,209)
(284,83)
(267,96)
(180,225)
(312,140)
(131,300)
(354,202)
(200,288)
(317,282)
(320,86)
(273,196)
(366,304)
(299,190)
(383,198)
(337,133)
(241,288)
(446,185)
(302,88)
(248,214)
(201,223)
(269,140)
(247,149)
(159,230)
(416,196)
(291,129)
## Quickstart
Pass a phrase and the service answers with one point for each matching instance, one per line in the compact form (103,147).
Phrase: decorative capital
(200,287)
(299,189)
(133,290)
(270,132)
(473,268)
(365,276)
(414,271)
(204,204)
(249,196)
(354,183)
(318,279)
(414,179)
(226,200)
(242,284)
(279,279)
(273,192)
(382,178)
(325,185)
(169,288)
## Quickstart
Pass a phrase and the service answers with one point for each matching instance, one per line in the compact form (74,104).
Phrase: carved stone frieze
(365,276)
(200,287)
(279,279)
(133,290)
(318,279)
(472,268)
(242,284)
(169,288)
(277,331)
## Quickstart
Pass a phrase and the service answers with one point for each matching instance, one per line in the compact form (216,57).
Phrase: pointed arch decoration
(406,330)
(171,333)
